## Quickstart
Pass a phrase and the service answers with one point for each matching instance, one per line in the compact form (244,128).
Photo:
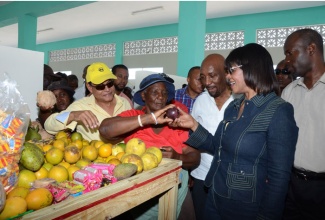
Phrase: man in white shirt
(208,110)
(305,57)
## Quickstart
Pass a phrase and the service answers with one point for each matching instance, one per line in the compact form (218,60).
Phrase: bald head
(215,59)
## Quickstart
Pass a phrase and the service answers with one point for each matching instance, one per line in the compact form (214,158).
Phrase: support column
(27,31)
(191,35)
(118,52)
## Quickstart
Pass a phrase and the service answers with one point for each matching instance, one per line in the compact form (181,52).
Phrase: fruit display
(69,166)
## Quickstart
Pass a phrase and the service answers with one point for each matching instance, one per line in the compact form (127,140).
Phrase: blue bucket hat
(150,80)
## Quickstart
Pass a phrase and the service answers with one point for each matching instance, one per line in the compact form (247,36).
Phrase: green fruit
(32,158)
(32,134)
(124,170)
(123,145)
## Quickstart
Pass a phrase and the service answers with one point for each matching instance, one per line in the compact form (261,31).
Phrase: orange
(110,157)
(99,160)
(82,163)
(98,144)
(60,144)
(26,178)
(105,150)
(85,143)
(41,173)
(72,154)
(92,142)
(61,134)
(13,206)
(89,152)
(64,164)
(54,156)
(114,161)
(78,144)
(156,151)
(18,191)
(135,159)
(48,166)
(117,149)
(76,136)
(120,155)
(39,198)
(59,173)
(47,147)
(71,170)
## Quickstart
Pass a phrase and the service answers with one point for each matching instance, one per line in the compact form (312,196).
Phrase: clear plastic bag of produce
(14,121)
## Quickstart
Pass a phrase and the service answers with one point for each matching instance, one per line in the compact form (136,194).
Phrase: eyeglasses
(102,85)
(284,71)
(233,69)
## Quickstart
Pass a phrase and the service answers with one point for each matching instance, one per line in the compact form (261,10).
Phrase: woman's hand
(185,120)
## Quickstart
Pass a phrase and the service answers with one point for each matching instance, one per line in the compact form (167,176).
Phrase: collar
(300,81)
(257,100)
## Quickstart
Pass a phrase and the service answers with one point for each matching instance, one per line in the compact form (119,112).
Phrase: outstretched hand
(184,120)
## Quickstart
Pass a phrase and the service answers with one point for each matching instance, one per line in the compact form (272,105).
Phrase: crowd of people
(249,136)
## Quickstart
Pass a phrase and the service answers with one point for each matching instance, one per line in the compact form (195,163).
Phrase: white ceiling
(110,16)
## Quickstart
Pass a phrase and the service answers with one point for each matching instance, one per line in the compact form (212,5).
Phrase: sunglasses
(284,71)
(233,69)
(102,85)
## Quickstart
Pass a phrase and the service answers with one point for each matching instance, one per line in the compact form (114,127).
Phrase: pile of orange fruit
(64,156)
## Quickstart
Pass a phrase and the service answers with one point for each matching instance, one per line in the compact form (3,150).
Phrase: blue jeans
(220,208)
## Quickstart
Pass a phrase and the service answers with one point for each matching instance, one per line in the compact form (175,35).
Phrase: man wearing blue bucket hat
(154,94)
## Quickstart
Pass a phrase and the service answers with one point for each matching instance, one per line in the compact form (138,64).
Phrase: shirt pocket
(241,182)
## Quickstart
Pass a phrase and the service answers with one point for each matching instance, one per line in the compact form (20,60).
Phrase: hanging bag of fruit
(14,120)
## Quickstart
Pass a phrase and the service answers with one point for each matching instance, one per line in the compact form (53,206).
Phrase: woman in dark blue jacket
(253,146)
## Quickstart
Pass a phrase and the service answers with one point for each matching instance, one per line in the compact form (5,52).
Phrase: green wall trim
(247,23)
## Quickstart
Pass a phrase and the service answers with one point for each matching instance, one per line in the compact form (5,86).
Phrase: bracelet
(139,120)
(154,117)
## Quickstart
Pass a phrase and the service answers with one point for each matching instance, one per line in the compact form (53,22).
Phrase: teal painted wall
(249,23)
(118,38)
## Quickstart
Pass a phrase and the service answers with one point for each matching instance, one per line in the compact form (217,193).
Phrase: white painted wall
(26,68)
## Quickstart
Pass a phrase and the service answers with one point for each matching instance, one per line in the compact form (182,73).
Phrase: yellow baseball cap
(98,73)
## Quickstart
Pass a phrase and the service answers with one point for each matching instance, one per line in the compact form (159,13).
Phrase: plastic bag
(14,121)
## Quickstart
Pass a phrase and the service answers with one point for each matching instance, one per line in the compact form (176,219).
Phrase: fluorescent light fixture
(47,29)
(147,10)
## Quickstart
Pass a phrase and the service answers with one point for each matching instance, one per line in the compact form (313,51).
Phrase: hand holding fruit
(184,120)
(87,118)
(45,100)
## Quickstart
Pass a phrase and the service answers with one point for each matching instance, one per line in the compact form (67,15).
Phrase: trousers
(305,199)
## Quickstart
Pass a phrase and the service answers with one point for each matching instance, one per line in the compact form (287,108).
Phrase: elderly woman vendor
(155,91)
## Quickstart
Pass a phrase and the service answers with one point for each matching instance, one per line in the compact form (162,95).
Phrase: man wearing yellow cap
(87,113)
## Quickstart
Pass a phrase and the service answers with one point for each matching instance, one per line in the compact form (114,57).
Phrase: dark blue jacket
(253,155)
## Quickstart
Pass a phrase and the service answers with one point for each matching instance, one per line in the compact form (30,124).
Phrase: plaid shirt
(183,97)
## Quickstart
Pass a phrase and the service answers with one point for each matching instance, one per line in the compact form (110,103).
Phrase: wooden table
(113,200)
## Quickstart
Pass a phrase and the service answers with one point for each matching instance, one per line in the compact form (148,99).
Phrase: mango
(124,170)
